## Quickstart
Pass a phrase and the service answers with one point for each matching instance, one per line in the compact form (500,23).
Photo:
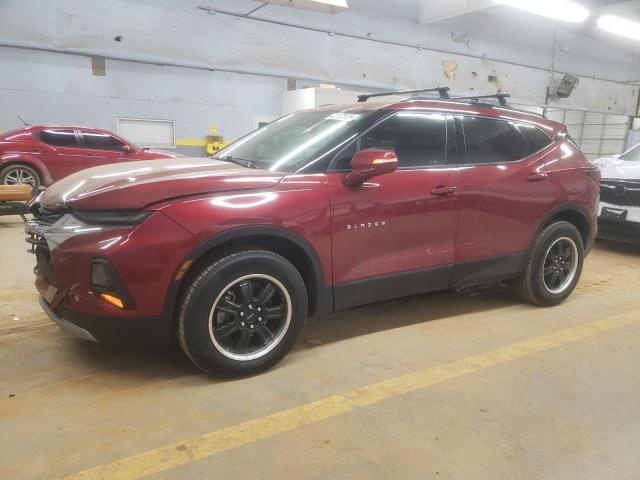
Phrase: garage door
(148,133)
(597,134)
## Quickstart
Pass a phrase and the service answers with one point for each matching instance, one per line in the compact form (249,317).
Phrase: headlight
(80,223)
(112,217)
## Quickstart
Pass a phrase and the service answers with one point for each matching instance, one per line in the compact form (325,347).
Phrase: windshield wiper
(238,161)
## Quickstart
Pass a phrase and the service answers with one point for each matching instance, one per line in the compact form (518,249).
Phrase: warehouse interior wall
(54,88)
(175,61)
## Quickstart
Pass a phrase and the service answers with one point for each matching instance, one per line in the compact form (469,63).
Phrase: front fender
(27,159)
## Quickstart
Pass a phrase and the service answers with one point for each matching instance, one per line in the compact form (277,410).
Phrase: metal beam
(322,6)
(429,11)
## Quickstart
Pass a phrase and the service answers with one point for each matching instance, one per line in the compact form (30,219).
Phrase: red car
(42,154)
(319,211)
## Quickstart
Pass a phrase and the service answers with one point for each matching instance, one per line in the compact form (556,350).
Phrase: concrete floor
(567,412)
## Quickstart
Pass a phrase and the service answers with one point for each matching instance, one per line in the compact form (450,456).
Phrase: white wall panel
(179,32)
(267,48)
(386,66)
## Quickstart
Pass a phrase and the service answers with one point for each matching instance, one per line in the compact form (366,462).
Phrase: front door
(394,235)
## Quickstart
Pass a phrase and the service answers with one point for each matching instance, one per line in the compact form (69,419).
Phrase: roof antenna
(20,118)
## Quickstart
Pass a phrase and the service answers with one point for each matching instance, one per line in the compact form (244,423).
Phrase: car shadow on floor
(617,247)
(149,364)
(403,312)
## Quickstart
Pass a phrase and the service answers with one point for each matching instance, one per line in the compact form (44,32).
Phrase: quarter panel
(501,210)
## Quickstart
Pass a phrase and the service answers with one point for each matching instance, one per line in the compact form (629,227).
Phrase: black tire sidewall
(551,234)
(197,308)
(32,170)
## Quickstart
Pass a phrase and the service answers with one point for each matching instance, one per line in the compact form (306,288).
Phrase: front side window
(418,139)
(58,138)
(101,141)
(492,141)
(632,155)
(295,140)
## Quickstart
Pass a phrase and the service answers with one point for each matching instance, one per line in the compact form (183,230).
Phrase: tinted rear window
(535,137)
(492,141)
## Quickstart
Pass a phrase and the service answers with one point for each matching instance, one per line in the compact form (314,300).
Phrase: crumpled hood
(616,169)
(135,185)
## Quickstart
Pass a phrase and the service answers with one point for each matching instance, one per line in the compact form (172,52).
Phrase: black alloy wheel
(249,317)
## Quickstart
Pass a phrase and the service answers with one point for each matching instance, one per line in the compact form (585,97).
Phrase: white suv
(619,212)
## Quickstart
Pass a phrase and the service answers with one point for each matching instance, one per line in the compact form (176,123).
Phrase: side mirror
(127,149)
(370,163)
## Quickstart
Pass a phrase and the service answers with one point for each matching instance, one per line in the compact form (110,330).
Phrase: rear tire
(554,265)
(21,174)
(242,313)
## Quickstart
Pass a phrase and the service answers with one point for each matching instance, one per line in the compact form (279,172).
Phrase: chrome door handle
(442,190)
(537,177)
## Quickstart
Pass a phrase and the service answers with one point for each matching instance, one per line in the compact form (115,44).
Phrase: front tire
(554,265)
(243,313)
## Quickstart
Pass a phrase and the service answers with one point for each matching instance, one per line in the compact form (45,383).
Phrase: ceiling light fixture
(556,9)
(620,26)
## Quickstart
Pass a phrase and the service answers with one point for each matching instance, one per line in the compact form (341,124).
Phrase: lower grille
(37,242)
(620,192)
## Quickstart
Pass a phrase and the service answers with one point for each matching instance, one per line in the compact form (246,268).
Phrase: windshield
(632,155)
(294,140)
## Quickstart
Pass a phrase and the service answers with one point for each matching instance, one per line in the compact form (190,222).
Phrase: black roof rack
(501,97)
(442,91)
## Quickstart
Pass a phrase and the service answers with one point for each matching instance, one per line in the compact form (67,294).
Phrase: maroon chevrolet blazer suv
(319,211)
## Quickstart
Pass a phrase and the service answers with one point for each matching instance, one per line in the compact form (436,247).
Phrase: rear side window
(101,141)
(418,139)
(58,138)
(534,136)
(492,141)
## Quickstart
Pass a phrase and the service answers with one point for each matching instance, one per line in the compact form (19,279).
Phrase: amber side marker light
(384,160)
(183,269)
(112,299)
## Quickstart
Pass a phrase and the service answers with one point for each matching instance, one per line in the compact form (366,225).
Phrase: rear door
(65,155)
(395,234)
(503,195)
(102,148)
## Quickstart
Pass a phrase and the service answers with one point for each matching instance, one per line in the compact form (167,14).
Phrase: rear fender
(30,160)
